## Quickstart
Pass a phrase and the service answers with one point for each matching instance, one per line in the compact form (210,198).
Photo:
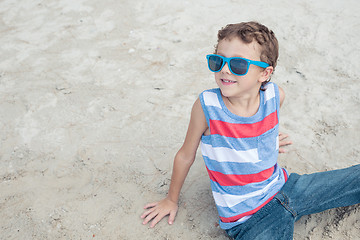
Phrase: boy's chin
(227,92)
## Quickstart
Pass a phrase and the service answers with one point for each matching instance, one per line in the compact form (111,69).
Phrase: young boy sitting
(237,126)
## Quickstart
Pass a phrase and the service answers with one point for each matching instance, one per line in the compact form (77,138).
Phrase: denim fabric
(301,195)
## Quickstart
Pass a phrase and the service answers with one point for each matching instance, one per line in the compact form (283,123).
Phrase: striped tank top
(241,154)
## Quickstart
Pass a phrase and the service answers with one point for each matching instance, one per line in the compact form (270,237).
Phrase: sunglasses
(237,65)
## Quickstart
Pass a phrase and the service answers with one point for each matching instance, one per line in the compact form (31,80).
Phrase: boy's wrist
(172,198)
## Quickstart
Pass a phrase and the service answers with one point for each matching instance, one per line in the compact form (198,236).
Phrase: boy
(237,126)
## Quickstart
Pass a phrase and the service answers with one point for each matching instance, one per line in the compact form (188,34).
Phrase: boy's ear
(265,75)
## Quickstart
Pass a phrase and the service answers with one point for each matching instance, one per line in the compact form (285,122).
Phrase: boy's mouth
(227,82)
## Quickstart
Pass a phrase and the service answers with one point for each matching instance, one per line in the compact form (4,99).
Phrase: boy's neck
(244,106)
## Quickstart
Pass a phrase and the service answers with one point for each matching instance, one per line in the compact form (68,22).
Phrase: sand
(95,98)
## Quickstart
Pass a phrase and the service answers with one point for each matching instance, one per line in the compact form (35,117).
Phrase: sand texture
(95,99)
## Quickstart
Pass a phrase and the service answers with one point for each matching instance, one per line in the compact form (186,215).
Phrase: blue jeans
(301,195)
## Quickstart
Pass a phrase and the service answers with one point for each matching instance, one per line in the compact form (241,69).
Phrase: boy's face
(237,86)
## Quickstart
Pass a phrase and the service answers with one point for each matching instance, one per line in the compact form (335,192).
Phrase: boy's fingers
(172,217)
(281,150)
(149,205)
(282,136)
(156,220)
(150,216)
(147,213)
(285,143)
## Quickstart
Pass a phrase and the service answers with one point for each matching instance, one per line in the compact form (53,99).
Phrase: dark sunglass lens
(239,66)
(215,63)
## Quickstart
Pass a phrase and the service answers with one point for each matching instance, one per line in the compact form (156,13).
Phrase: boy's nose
(226,69)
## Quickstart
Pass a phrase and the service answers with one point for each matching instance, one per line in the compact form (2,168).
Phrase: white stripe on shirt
(227,200)
(270,92)
(223,154)
(211,99)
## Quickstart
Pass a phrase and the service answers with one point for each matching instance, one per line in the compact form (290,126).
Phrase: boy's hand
(283,142)
(158,210)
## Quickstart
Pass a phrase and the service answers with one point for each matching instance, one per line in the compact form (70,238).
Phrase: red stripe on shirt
(244,130)
(237,217)
(239,180)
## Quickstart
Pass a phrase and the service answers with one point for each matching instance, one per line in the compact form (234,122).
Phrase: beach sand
(96,98)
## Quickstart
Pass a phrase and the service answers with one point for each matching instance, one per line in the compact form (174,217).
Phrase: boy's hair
(250,31)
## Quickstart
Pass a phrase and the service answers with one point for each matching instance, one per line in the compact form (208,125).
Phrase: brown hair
(250,31)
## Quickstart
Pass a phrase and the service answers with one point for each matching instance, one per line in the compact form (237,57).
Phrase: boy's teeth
(227,81)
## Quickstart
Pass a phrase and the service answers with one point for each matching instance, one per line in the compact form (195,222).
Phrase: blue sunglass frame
(227,60)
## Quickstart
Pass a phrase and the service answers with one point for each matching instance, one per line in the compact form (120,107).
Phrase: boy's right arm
(182,163)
